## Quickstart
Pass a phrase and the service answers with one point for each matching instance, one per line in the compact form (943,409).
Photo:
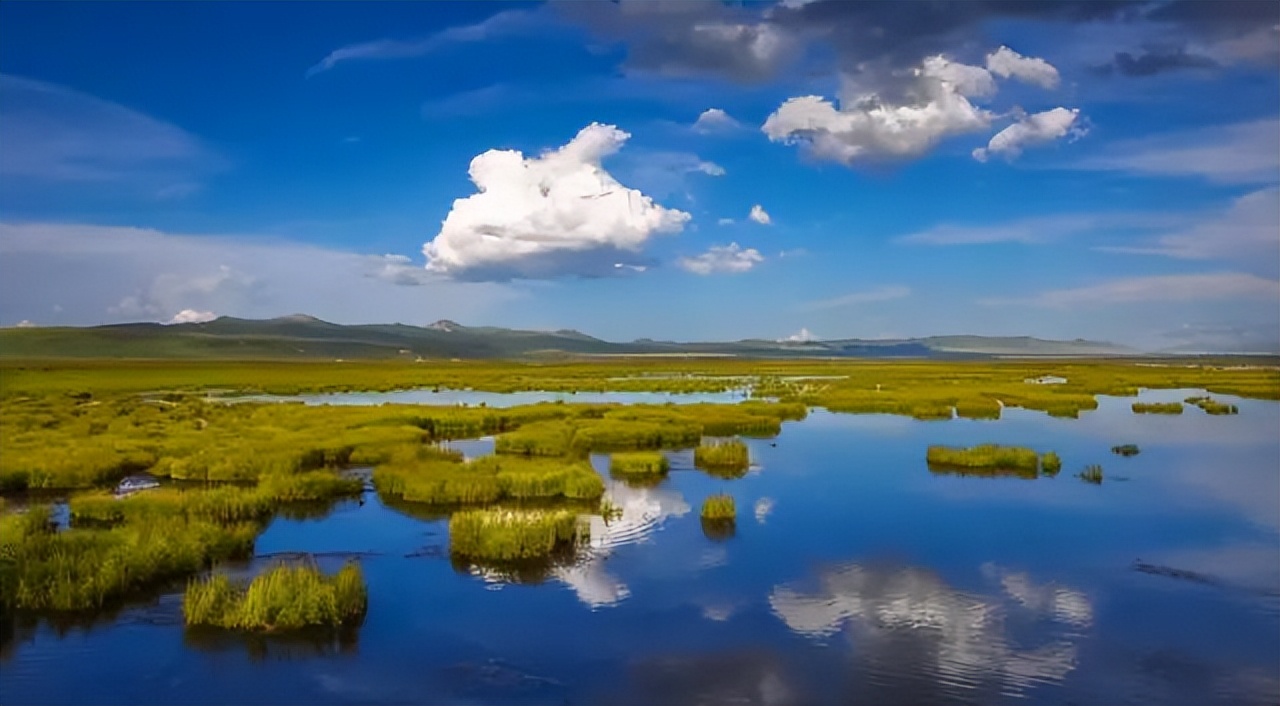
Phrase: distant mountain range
(301,336)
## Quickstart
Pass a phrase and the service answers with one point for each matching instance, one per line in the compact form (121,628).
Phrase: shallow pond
(855,575)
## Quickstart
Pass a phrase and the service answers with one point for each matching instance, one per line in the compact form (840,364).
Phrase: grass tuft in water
(1050,464)
(1156,407)
(719,507)
(499,534)
(984,456)
(1125,450)
(638,465)
(286,597)
(1092,474)
(723,456)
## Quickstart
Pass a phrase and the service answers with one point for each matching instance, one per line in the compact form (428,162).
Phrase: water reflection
(261,648)
(906,623)
(640,512)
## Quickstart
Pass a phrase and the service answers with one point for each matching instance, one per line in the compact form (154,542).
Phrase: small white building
(1045,380)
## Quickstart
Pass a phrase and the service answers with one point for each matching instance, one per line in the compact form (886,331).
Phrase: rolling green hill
(301,336)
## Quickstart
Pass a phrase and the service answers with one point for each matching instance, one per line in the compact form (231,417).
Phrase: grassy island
(284,598)
(499,534)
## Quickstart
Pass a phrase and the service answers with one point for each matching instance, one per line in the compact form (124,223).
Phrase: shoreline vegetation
(78,427)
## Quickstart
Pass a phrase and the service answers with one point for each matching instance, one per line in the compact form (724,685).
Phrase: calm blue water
(855,576)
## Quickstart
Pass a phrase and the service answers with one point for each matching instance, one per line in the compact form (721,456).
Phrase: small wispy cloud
(1247,229)
(759,215)
(55,136)
(880,294)
(728,259)
(1040,229)
(715,121)
(1247,152)
(505,23)
(1158,288)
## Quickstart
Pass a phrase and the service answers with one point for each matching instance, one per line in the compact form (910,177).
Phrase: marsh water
(855,575)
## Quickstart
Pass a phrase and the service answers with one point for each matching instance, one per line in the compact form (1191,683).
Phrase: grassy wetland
(557,487)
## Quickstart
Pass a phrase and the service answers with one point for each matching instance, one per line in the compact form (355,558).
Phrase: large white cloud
(560,213)
(935,105)
(730,258)
(1032,130)
(1005,63)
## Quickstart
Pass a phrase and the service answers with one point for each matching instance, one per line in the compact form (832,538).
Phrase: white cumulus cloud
(715,120)
(192,316)
(759,215)
(1033,129)
(934,105)
(559,213)
(729,258)
(804,335)
(1005,63)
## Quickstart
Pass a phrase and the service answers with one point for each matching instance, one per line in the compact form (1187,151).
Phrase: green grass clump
(1211,406)
(281,599)
(550,438)
(1125,450)
(638,464)
(985,456)
(487,479)
(613,434)
(1050,464)
(729,455)
(1092,474)
(719,508)
(498,534)
(1157,407)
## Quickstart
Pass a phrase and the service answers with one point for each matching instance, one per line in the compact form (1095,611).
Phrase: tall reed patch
(1092,474)
(1050,464)
(81,569)
(286,597)
(731,455)
(638,465)
(499,534)
(1156,407)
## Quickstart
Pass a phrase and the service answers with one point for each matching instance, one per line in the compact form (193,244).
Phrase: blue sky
(1093,170)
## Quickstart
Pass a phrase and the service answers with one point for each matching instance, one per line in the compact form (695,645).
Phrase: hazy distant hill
(301,336)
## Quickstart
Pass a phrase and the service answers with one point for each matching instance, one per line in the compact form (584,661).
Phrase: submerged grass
(1157,407)
(1125,450)
(286,597)
(498,534)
